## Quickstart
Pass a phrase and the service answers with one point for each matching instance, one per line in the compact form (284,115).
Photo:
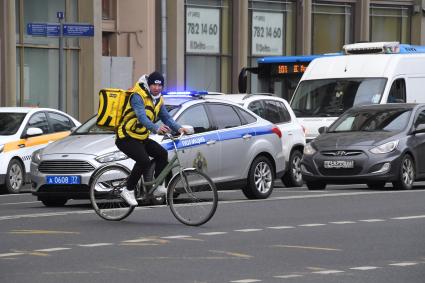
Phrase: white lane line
(372,220)
(248,230)
(96,245)
(288,276)
(404,264)
(212,233)
(23,202)
(312,225)
(177,237)
(52,250)
(343,222)
(246,281)
(409,217)
(10,254)
(280,227)
(328,271)
(364,268)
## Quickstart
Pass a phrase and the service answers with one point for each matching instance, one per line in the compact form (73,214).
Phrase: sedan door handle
(247,136)
(211,142)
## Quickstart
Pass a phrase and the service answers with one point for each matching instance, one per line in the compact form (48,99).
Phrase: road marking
(176,237)
(52,250)
(288,276)
(343,222)
(409,217)
(23,202)
(404,264)
(246,281)
(363,268)
(10,254)
(153,240)
(248,230)
(36,232)
(281,227)
(328,271)
(234,254)
(96,245)
(307,248)
(312,225)
(372,220)
(212,233)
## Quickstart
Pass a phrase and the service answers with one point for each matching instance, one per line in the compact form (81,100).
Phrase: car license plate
(63,180)
(330,164)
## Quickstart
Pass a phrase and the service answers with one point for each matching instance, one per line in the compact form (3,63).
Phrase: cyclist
(143,109)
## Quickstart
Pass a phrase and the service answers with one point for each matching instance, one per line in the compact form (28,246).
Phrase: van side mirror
(323,130)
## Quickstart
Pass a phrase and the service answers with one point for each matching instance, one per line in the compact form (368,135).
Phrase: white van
(367,73)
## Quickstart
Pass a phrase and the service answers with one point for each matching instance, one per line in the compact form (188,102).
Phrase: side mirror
(419,129)
(32,132)
(190,129)
(323,130)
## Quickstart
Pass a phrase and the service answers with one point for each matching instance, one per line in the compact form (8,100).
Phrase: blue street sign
(59,15)
(78,30)
(37,29)
(53,29)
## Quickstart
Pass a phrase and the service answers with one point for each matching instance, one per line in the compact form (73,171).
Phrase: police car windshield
(90,128)
(387,120)
(10,122)
(331,97)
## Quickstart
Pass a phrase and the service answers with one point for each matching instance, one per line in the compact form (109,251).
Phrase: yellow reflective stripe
(33,141)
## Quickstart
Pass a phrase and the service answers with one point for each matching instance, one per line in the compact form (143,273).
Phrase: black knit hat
(155,78)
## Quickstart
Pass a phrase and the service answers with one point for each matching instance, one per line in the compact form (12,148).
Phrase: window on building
(208,45)
(272,32)
(332,26)
(390,23)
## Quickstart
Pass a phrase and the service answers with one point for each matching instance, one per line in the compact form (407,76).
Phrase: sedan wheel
(293,177)
(14,176)
(406,175)
(260,179)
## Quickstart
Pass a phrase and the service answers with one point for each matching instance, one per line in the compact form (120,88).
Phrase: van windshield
(331,97)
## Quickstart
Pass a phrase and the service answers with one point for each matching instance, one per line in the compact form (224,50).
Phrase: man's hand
(163,129)
(183,131)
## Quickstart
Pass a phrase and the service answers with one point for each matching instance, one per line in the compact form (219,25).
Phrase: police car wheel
(293,177)
(15,176)
(53,202)
(260,179)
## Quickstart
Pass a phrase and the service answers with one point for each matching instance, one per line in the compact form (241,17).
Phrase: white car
(278,111)
(22,131)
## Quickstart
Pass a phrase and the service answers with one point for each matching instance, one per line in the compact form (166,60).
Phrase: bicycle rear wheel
(192,197)
(105,190)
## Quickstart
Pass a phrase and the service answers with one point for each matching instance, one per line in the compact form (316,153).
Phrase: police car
(22,131)
(234,146)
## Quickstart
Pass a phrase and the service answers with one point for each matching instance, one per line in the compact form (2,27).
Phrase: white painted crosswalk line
(404,264)
(280,227)
(328,271)
(52,250)
(288,276)
(372,220)
(248,230)
(246,281)
(212,233)
(343,222)
(10,254)
(96,245)
(364,268)
(177,237)
(409,217)
(312,225)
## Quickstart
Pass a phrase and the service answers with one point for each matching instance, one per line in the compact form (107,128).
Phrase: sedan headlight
(385,148)
(309,149)
(113,156)
(36,156)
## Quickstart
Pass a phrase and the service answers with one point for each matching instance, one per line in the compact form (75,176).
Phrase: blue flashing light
(192,93)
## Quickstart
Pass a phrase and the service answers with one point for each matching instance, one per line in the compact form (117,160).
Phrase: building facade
(196,44)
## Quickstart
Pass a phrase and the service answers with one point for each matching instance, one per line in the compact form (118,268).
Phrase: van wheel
(15,176)
(314,186)
(260,179)
(293,177)
(406,174)
(53,202)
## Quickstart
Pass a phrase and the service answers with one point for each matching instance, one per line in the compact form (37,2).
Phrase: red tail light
(277,131)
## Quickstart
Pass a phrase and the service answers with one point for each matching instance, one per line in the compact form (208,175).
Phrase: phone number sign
(267,33)
(202,30)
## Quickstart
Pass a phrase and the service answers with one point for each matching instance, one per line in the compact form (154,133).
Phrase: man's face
(155,89)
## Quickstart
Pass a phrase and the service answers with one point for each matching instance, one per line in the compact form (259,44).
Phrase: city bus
(278,75)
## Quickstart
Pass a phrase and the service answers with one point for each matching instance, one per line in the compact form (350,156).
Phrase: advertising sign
(202,30)
(267,33)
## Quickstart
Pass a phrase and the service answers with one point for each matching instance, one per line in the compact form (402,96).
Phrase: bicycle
(191,194)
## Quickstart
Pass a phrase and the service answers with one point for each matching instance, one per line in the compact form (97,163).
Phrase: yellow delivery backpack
(112,102)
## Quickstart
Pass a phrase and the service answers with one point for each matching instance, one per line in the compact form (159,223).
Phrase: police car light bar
(191,93)
(382,48)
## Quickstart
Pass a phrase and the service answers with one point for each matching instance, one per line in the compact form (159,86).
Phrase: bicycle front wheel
(192,197)
(105,193)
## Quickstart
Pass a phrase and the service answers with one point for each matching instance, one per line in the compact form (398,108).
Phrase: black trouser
(140,151)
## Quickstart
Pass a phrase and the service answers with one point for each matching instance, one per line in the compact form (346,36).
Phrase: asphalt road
(343,234)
